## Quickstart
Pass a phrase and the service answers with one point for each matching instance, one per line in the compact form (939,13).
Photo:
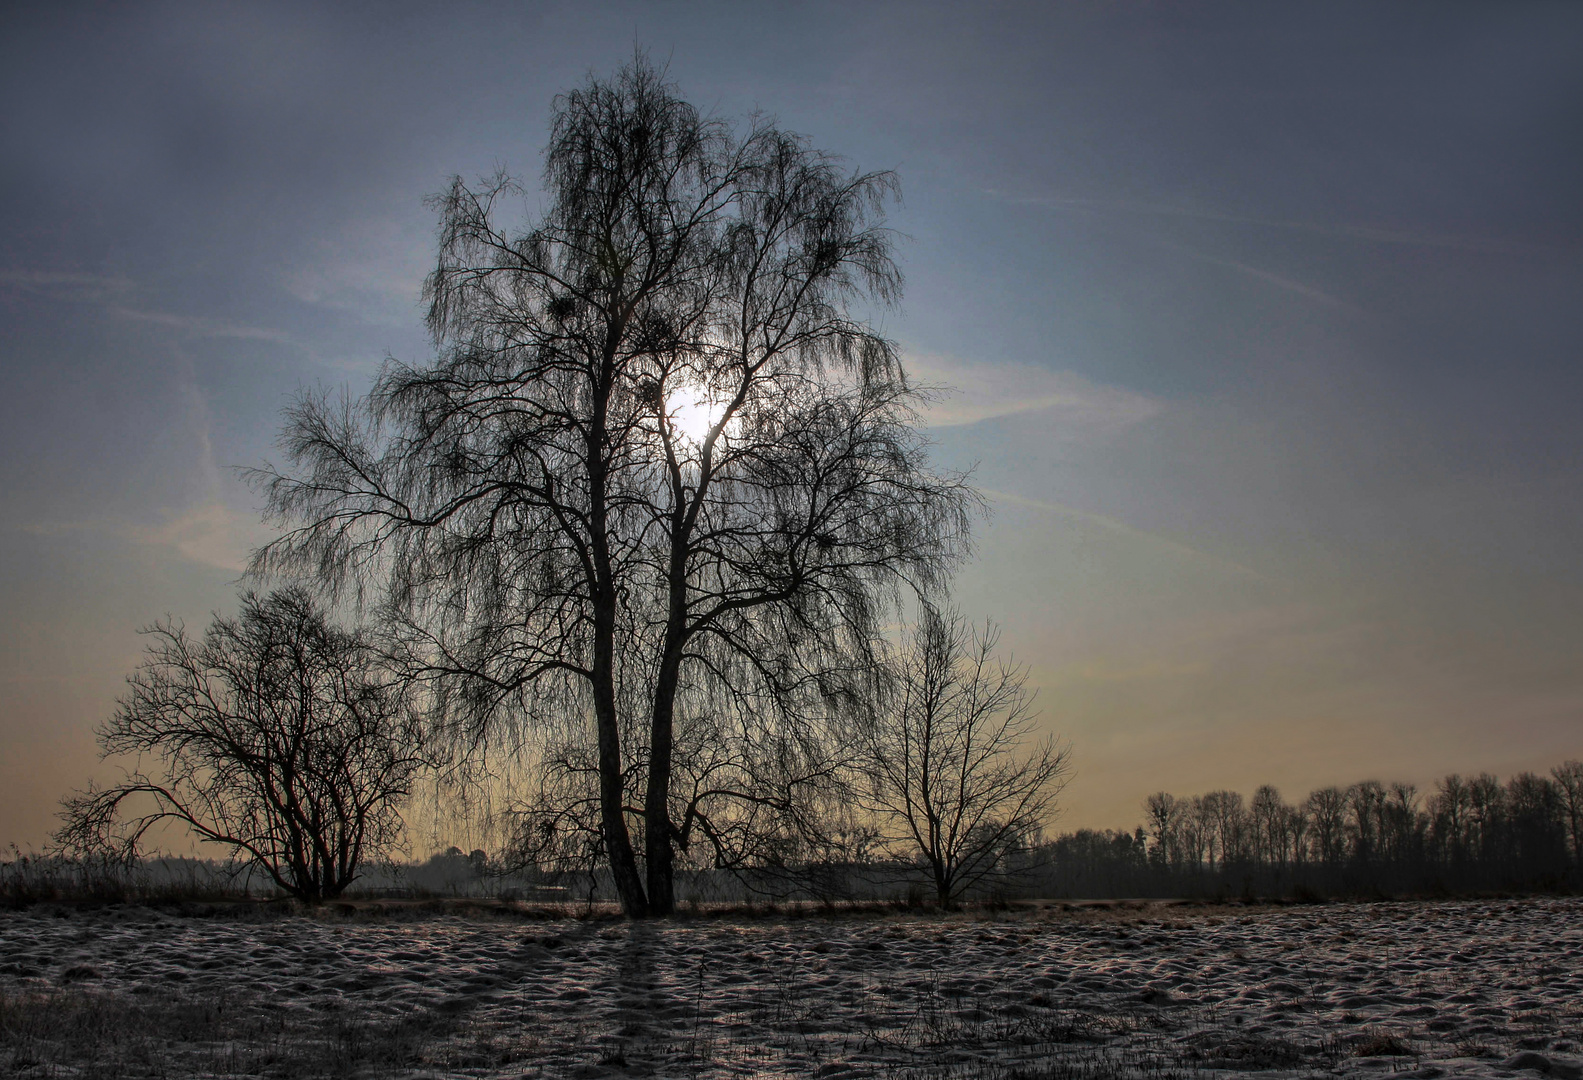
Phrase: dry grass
(924,1034)
(77,1031)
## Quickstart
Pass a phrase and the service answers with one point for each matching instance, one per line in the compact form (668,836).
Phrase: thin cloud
(198,326)
(60,285)
(374,272)
(113,292)
(1372,234)
(54,529)
(210,533)
(1280,281)
(1121,528)
(1269,277)
(972,391)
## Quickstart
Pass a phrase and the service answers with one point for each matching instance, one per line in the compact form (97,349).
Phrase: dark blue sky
(1266,318)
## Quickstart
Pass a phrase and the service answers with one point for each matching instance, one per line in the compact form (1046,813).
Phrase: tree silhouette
(1569,787)
(1537,832)
(1486,816)
(275,735)
(947,773)
(659,468)
(1267,821)
(1451,809)
(1164,812)
(1327,811)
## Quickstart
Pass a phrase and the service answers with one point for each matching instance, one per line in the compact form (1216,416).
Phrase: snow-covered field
(1421,989)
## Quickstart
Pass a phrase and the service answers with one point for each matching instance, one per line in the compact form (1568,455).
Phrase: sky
(1265,320)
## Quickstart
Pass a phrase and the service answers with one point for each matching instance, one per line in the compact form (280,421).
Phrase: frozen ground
(1411,989)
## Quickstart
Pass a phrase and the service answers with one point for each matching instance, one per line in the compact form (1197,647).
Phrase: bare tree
(1487,816)
(275,735)
(1297,826)
(1569,786)
(947,770)
(1226,819)
(1365,823)
(1267,816)
(1327,811)
(658,462)
(1192,839)
(1164,812)
(1402,824)
(1450,809)
(1536,827)
(754,800)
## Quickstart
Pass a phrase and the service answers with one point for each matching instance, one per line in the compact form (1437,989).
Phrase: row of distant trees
(1464,834)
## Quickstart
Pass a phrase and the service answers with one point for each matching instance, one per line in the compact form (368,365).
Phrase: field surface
(1390,989)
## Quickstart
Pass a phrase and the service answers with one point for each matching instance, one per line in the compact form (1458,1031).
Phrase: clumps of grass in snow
(74,1030)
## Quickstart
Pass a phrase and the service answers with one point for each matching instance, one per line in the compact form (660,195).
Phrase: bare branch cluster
(276,734)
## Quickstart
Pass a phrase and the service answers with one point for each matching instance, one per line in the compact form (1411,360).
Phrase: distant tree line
(1465,835)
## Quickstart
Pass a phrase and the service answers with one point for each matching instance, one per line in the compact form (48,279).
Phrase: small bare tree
(1297,824)
(1327,812)
(1451,809)
(1267,818)
(1165,814)
(1569,784)
(275,736)
(947,772)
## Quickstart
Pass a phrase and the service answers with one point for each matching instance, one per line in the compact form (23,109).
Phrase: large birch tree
(660,467)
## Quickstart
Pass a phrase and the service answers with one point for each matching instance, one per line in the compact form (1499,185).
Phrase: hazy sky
(1267,319)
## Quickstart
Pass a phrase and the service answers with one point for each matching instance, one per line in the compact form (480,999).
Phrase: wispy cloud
(374,272)
(1269,277)
(1368,233)
(61,285)
(973,391)
(1283,282)
(211,533)
(118,296)
(1121,528)
(199,326)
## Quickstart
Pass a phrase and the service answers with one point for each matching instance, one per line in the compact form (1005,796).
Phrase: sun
(692,411)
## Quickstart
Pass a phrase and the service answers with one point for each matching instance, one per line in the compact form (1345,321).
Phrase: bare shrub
(275,735)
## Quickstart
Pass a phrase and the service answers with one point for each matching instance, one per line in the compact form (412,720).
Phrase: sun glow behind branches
(693,411)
